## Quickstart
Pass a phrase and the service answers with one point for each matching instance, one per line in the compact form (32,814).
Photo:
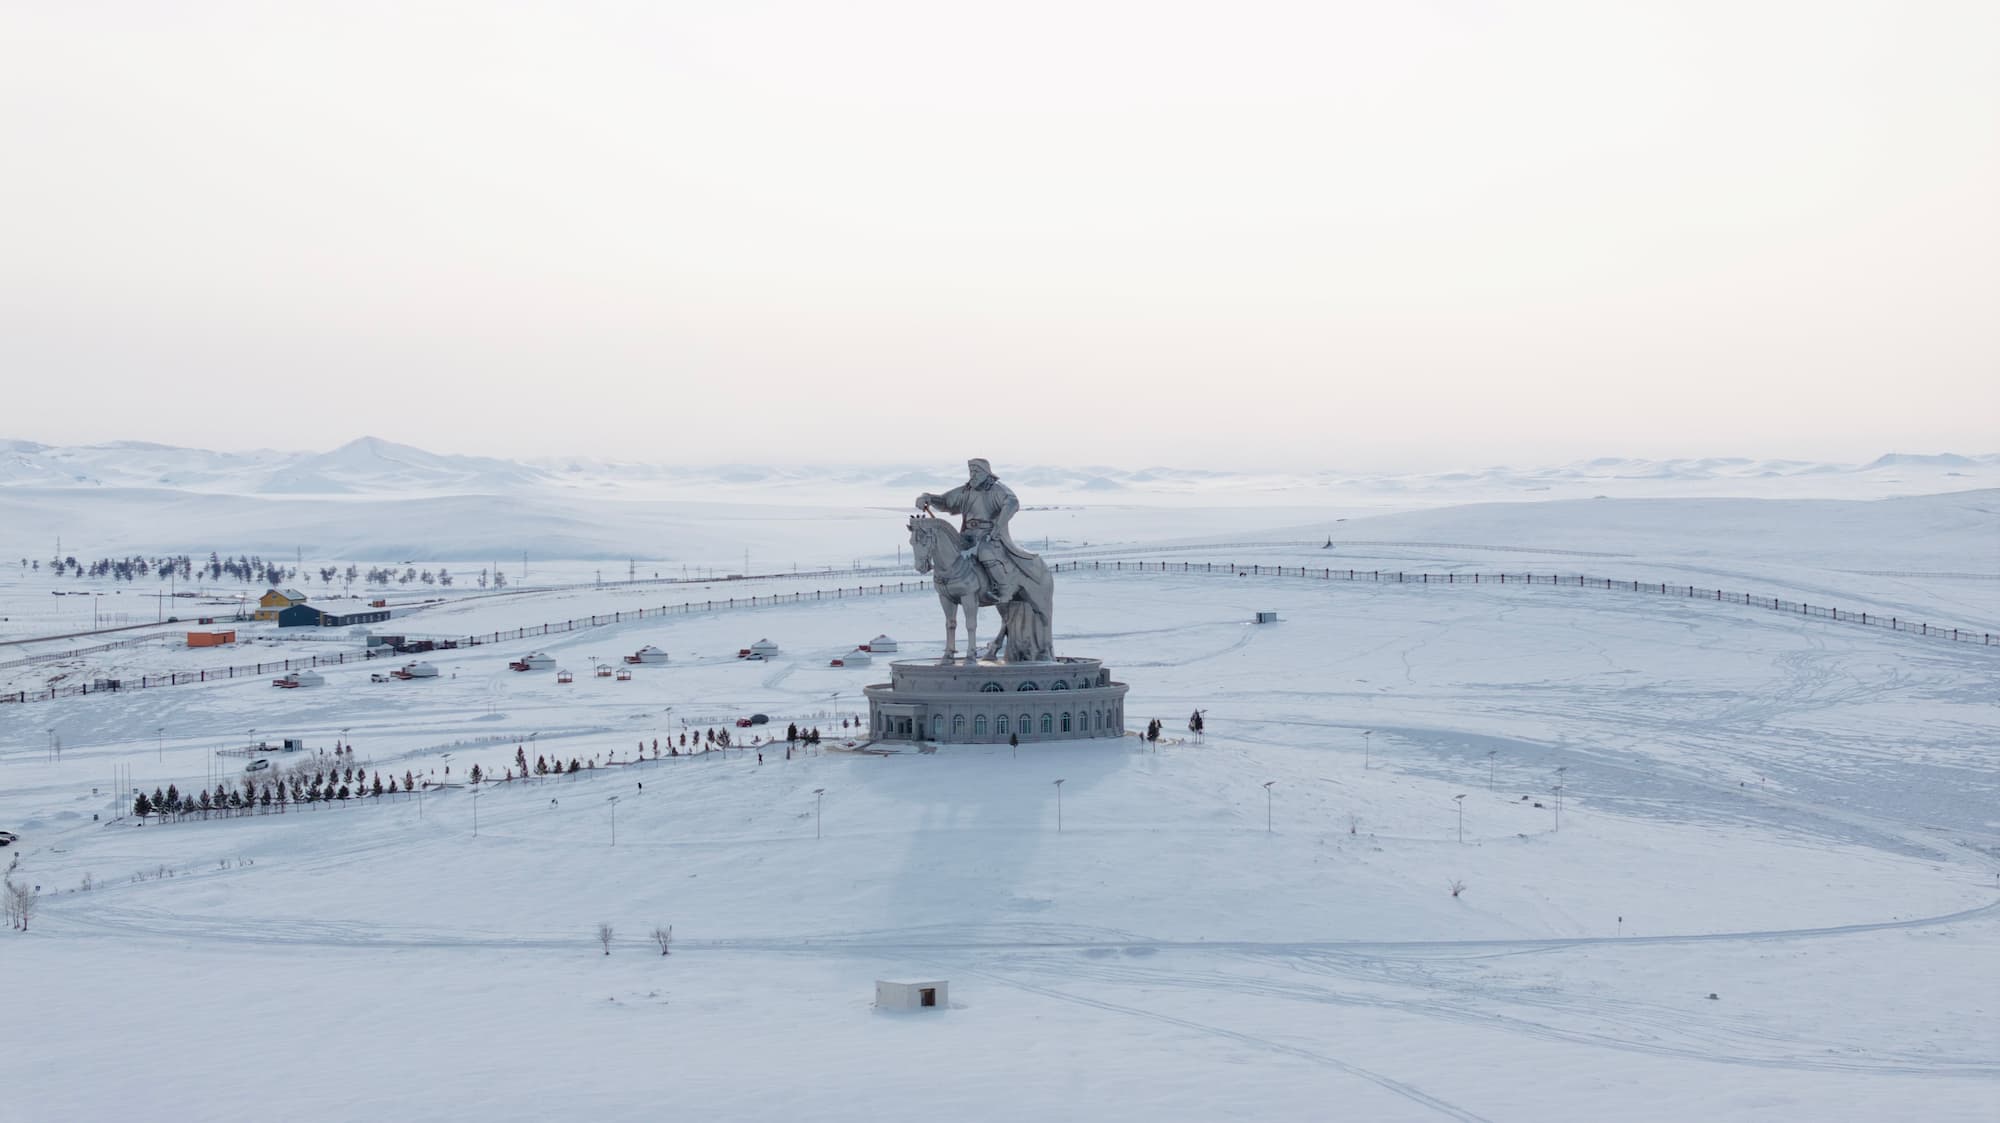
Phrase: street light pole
(1491,767)
(818,794)
(161,733)
(1559,806)
(1267,805)
(1059,785)
(1367,742)
(613,801)
(1460,800)
(475,812)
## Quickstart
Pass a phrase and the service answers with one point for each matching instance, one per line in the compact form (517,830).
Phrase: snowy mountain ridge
(370,466)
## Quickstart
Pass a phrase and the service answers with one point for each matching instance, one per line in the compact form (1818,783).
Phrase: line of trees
(308,784)
(248,569)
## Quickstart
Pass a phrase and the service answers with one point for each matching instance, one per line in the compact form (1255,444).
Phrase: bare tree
(664,937)
(604,937)
(21,903)
(1457,887)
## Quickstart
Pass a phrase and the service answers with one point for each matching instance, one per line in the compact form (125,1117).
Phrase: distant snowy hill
(372,467)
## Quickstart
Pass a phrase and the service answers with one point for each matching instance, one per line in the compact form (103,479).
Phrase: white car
(257,766)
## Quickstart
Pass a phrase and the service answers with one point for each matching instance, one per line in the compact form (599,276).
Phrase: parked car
(760,719)
(378,678)
(8,838)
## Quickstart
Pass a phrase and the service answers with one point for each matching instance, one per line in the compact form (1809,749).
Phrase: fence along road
(1377,576)
(1555,580)
(254,670)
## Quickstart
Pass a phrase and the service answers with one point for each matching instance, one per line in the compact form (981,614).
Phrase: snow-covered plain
(1795,816)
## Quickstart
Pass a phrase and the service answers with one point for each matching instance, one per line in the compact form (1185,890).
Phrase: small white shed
(910,996)
(1267,617)
(882,643)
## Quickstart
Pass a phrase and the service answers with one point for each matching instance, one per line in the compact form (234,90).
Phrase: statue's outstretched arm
(946,502)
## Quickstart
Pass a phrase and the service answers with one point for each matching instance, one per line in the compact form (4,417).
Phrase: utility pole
(1267,805)
(1460,800)
(613,801)
(818,794)
(1059,785)
(1558,789)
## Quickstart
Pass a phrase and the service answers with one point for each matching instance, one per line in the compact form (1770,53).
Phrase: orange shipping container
(210,639)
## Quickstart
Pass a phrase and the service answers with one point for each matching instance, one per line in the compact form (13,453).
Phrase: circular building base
(987,703)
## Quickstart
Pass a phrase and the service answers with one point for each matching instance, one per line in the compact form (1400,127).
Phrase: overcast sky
(1364,234)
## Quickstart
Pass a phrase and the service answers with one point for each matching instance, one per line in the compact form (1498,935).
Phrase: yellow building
(276,601)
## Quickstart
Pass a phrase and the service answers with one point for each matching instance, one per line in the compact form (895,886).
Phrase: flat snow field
(1795,817)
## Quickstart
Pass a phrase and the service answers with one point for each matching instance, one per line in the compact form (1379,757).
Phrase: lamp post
(1460,800)
(1267,805)
(1367,741)
(161,746)
(1059,785)
(475,812)
(613,801)
(1491,767)
(1558,790)
(818,794)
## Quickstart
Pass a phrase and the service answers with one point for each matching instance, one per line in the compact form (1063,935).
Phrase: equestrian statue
(977,563)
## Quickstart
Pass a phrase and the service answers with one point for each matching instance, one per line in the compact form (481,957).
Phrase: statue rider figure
(985,506)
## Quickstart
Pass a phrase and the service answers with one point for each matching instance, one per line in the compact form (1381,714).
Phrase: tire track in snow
(1407,1091)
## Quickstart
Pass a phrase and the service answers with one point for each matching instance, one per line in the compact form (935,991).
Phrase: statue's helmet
(980,464)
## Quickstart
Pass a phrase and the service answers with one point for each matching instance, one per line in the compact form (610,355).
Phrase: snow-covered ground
(1795,816)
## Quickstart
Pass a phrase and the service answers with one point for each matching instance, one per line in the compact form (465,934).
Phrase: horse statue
(1025,619)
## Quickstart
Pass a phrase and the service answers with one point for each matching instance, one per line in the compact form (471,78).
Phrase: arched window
(1059,685)
(993,688)
(1099,716)
(1027,724)
(1065,723)
(957,725)
(1048,723)
(1027,686)
(1000,725)
(979,726)
(937,727)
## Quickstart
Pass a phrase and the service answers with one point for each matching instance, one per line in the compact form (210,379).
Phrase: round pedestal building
(985,703)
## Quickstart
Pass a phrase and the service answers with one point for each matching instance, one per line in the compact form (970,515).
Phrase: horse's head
(923,533)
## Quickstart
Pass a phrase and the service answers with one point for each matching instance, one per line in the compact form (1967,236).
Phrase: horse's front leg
(950,626)
(972,629)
